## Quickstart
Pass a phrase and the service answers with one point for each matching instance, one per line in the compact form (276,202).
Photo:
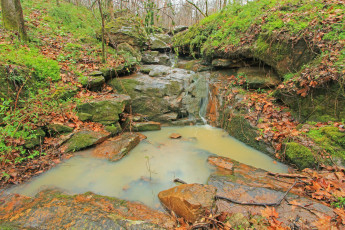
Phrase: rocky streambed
(157,96)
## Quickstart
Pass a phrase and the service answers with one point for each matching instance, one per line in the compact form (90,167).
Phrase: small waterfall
(204,103)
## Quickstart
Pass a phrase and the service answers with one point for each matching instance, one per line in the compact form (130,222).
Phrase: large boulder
(189,201)
(116,148)
(104,110)
(125,29)
(159,42)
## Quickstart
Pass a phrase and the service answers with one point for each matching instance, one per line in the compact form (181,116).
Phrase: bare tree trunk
(103,46)
(197,8)
(57,2)
(12,17)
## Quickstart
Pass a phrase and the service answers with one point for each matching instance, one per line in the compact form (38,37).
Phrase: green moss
(125,86)
(300,155)
(331,140)
(240,128)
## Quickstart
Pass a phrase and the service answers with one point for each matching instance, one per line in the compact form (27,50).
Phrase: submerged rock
(116,148)
(84,139)
(189,201)
(52,209)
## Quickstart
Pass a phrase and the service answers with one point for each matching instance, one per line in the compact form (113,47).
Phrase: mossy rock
(125,86)
(113,129)
(331,140)
(84,139)
(241,129)
(300,155)
(54,129)
(335,135)
(65,93)
(125,48)
(146,126)
(94,83)
(37,140)
(126,29)
(323,104)
(105,111)
(84,116)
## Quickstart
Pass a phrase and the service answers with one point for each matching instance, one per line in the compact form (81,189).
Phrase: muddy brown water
(151,167)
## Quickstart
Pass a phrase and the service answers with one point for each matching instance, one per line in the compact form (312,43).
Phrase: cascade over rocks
(166,94)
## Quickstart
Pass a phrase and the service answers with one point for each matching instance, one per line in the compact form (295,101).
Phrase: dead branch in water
(177,180)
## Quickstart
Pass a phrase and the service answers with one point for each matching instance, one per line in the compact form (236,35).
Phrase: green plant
(339,203)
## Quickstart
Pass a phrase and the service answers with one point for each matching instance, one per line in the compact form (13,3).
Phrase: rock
(84,116)
(257,77)
(160,72)
(164,60)
(167,94)
(105,110)
(54,129)
(39,135)
(221,62)
(84,139)
(165,38)
(189,201)
(168,117)
(53,209)
(299,155)
(158,44)
(96,73)
(94,83)
(179,29)
(194,65)
(116,148)
(113,129)
(150,57)
(247,194)
(175,136)
(125,29)
(146,126)
(125,48)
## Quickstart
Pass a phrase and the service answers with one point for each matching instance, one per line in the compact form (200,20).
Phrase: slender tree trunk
(103,45)
(12,17)
(57,2)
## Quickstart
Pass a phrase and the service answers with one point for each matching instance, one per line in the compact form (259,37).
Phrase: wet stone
(189,201)
(146,126)
(118,147)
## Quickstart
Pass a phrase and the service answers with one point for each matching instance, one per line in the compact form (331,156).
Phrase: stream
(150,167)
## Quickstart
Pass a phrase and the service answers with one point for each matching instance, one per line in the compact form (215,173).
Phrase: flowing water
(151,166)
